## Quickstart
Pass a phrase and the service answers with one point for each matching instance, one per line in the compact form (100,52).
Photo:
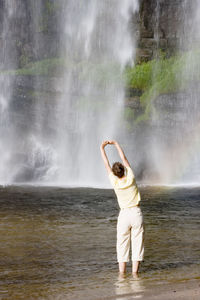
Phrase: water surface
(59,243)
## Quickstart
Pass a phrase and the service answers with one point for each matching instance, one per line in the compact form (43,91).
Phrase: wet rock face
(177,108)
(160,24)
(163,25)
(28,32)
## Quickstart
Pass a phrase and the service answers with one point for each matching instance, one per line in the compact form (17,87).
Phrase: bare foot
(121,276)
(135,275)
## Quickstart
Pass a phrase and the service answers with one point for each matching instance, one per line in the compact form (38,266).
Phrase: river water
(59,243)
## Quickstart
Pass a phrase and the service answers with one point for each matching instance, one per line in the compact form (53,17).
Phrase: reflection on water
(129,286)
(60,243)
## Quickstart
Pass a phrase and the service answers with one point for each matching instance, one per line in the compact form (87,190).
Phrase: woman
(130,219)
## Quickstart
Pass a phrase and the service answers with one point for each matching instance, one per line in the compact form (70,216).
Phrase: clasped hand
(104,143)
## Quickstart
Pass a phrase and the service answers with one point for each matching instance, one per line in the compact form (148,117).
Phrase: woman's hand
(104,156)
(112,142)
(104,143)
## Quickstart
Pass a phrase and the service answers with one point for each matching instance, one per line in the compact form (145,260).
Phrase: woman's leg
(135,267)
(122,267)
(137,240)
(123,241)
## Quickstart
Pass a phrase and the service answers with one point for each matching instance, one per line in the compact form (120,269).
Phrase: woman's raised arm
(121,153)
(104,156)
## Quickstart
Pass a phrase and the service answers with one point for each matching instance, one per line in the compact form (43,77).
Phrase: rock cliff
(160,24)
(163,24)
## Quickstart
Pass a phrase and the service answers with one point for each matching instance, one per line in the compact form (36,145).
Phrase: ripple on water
(55,242)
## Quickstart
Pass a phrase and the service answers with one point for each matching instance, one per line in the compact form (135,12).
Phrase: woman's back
(126,189)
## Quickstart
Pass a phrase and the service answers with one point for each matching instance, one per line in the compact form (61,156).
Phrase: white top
(126,189)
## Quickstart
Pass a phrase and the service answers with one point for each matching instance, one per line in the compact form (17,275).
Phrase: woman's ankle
(135,267)
(122,267)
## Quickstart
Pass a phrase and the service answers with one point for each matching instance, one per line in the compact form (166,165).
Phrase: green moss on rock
(163,76)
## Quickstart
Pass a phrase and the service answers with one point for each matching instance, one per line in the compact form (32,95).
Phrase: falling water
(51,134)
(191,70)
(6,61)
(20,156)
(98,45)
(57,141)
(174,147)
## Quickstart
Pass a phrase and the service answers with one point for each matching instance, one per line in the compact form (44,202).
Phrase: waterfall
(6,60)
(190,160)
(51,125)
(174,147)
(98,45)
(56,141)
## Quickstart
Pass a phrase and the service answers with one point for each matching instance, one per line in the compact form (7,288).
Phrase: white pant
(130,229)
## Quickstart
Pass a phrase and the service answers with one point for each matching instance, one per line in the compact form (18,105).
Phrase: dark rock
(163,25)
(143,55)
(160,24)
(131,92)
(147,43)
(133,102)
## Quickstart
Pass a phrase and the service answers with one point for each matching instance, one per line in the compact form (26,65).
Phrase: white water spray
(98,46)
(175,143)
(60,144)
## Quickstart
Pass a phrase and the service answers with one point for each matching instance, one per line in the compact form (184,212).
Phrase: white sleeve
(112,178)
(130,175)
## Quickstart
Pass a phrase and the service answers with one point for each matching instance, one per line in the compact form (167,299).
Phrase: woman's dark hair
(118,169)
